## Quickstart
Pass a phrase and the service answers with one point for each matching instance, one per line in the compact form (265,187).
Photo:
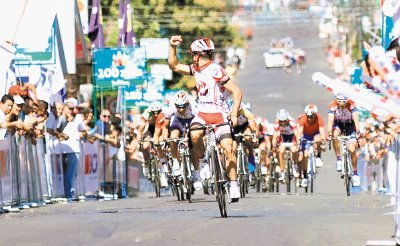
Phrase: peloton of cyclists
(311,127)
(343,119)
(213,85)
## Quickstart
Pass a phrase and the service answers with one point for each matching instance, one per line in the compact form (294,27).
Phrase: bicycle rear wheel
(218,184)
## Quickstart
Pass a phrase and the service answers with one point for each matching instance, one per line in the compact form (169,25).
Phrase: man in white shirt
(70,147)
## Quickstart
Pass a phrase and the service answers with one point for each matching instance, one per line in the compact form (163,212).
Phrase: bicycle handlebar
(208,126)
(176,140)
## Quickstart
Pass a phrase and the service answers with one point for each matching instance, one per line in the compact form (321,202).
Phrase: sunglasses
(105,116)
(342,101)
(181,105)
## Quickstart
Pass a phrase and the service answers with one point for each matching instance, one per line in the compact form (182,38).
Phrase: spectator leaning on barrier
(14,115)
(6,105)
(70,146)
(103,124)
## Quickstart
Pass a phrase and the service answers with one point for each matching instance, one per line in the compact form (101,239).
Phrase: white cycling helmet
(310,110)
(155,106)
(282,115)
(202,46)
(340,96)
(181,98)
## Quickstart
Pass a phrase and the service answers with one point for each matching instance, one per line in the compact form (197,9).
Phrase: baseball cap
(17,90)
(18,99)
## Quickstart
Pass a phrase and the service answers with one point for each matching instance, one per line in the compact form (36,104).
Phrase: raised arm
(173,61)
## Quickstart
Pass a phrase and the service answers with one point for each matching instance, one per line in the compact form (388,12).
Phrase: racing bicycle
(242,163)
(347,167)
(154,166)
(216,161)
(185,181)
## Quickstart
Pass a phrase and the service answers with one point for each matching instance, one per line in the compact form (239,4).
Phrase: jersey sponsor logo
(202,88)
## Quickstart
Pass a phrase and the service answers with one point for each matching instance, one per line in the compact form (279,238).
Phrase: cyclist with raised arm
(178,117)
(285,131)
(213,85)
(246,125)
(311,127)
(150,128)
(343,120)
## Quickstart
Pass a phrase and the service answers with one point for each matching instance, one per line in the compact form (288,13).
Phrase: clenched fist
(175,40)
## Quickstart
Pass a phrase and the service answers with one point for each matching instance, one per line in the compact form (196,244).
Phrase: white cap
(72,101)
(18,99)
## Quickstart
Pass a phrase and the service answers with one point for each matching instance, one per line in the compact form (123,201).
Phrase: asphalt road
(328,217)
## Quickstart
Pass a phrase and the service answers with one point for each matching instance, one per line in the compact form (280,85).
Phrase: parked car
(276,57)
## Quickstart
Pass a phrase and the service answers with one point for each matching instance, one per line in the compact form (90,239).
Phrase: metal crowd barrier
(33,174)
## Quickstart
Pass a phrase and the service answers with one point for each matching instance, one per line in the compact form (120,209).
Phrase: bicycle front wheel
(288,177)
(346,176)
(218,183)
(186,179)
(241,176)
(157,182)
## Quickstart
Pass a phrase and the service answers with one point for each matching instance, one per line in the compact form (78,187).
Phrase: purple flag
(96,33)
(130,33)
(121,23)
(126,35)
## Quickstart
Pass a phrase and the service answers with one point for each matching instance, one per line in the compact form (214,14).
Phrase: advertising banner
(114,67)
(91,163)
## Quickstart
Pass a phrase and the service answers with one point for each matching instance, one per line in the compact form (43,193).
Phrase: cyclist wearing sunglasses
(311,127)
(343,120)
(213,85)
(178,117)
(285,131)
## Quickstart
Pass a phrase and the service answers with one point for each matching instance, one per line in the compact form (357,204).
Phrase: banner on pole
(115,67)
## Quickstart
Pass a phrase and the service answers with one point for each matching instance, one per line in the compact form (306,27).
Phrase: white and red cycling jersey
(342,115)
(265,128)
(212,95)
(288,129)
